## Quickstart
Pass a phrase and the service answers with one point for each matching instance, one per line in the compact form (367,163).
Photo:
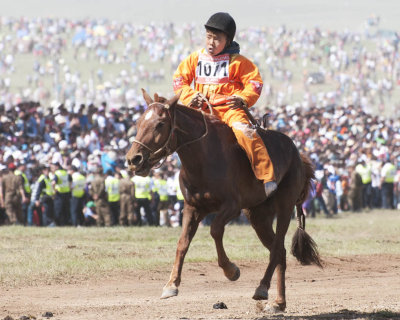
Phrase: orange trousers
(249,140)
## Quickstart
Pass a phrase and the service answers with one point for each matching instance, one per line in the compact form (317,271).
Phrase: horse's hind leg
(231,271)
(277,253)
(190,223)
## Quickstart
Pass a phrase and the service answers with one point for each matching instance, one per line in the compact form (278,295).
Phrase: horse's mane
(199,114)
(196,113)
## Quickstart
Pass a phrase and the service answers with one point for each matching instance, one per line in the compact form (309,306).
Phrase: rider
(230,82)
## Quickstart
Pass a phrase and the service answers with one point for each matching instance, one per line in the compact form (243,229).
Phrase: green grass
(48,255)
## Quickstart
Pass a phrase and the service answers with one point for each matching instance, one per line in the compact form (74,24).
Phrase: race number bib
(212,70)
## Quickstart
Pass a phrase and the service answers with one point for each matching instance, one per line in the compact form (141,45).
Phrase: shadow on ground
(342,314)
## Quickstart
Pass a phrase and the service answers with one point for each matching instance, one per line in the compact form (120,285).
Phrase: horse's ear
(174,100)
(146,97)
(156,98)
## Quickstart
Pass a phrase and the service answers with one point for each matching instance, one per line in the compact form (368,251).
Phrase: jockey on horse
(215,174)
(230,82)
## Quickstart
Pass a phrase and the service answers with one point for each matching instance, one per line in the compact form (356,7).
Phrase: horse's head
(154,134)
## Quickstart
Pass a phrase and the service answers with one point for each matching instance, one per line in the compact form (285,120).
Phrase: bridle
(166,147)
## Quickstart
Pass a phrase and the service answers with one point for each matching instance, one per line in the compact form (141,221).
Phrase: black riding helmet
(222,21)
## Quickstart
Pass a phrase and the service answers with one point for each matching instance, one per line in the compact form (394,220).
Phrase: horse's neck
(193,125)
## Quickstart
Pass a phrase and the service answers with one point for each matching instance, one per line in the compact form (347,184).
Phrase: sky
(339,14)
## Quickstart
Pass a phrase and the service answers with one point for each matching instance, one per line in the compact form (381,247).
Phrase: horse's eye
(159,125)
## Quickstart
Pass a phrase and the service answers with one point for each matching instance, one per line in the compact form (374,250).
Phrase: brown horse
(216,176)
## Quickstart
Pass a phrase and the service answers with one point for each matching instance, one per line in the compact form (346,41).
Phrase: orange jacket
(218,77)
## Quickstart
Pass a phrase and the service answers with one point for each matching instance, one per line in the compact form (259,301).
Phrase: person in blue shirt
(108,161)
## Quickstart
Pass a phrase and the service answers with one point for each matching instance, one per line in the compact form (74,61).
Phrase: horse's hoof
(273,308)
(261,293)
(233,274)
(280,306)
(169,292)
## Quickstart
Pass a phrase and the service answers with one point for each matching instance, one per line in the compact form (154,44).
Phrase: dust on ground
(352,287)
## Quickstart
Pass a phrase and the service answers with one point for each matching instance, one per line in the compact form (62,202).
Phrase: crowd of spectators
(93,60)
(86,123)
(351,150)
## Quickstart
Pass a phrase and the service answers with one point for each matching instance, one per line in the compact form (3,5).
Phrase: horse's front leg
(190,222)
(231,271)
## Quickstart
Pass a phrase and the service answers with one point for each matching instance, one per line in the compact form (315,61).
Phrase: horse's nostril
(136,160)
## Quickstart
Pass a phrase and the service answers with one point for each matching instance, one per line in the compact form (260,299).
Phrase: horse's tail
(304,249)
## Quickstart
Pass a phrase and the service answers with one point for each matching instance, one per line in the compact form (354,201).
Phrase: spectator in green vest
(78,187)
(42,199)
(143,187)
(61,183)
(365,171)
(388,175)
(112,188)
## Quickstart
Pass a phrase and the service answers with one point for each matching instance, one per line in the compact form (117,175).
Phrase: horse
(216,177)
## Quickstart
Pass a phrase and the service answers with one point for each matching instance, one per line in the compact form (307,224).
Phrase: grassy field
(49,255)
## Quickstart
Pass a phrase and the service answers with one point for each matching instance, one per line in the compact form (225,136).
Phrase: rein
(210,108)
(166,148)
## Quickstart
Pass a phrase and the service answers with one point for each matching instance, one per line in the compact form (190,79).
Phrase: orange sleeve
(249,76)
(184,76)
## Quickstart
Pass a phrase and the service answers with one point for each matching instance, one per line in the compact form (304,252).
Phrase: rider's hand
(235,102)
(197,101)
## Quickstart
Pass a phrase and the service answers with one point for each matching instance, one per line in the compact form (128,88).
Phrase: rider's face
(215,42)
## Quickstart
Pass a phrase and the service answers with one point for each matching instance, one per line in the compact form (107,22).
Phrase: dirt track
(356,287)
